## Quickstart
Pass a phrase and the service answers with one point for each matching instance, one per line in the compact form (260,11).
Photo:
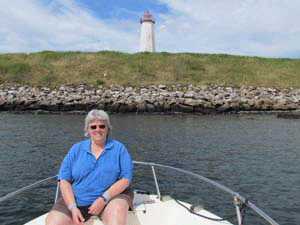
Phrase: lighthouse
(147,43)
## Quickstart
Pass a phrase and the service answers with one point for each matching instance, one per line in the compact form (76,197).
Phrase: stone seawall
(201,99)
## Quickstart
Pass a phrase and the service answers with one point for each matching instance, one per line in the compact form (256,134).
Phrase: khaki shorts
(60,206)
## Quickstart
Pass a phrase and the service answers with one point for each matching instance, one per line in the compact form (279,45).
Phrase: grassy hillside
(56,68)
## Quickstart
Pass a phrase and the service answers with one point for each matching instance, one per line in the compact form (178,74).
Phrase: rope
(243,211)
(205,217)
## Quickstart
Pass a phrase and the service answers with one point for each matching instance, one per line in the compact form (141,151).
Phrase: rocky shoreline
(200,99)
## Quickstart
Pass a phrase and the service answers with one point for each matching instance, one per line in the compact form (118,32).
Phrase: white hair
(96,114)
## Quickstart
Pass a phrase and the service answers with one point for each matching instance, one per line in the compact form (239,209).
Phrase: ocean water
(254,155)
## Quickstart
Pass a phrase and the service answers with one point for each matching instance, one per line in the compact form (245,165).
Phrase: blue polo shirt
(91,177)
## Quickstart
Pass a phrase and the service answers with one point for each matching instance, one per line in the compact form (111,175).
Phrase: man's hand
(77,217)
(97,207)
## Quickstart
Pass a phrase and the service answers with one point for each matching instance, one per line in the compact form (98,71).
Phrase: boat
(153,208)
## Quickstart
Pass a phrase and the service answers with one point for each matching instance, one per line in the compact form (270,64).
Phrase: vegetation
(106,68)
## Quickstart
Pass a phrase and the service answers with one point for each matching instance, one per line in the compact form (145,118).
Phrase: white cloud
(240,15)
(247,27)
(250,27)
(28,26)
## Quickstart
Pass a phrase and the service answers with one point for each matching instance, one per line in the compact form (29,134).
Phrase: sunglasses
(94,127)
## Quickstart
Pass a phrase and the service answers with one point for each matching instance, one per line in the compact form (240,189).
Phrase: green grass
(56,68)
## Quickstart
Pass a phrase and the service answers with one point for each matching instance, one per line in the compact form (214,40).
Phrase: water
(254,155)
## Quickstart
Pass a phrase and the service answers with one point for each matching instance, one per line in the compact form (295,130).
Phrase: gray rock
(156,98)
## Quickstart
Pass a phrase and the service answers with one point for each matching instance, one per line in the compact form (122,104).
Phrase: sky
(263,28)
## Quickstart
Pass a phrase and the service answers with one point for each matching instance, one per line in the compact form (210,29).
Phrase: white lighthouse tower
(147,43)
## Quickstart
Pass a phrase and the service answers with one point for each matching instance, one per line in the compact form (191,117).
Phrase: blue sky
(266,28)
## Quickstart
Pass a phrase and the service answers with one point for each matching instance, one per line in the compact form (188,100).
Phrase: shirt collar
(108,145)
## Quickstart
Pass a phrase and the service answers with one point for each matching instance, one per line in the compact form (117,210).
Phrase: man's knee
(57,218)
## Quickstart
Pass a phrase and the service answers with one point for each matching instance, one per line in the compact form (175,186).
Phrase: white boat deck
(149,210)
